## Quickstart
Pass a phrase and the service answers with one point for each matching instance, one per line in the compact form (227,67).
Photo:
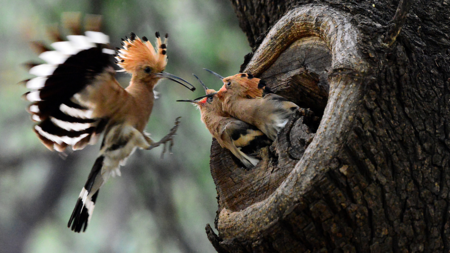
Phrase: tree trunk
(365,167)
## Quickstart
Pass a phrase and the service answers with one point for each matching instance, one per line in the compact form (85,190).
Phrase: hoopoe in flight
(247,98)
(75,98)
(242,139)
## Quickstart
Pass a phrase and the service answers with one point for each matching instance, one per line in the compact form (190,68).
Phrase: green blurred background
(158,205)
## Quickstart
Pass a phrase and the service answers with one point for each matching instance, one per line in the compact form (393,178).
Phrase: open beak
(214,73)
(176,79)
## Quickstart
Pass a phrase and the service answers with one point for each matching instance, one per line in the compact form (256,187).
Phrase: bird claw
(167,138)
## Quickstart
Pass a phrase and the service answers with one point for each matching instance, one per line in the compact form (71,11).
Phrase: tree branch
(398,21)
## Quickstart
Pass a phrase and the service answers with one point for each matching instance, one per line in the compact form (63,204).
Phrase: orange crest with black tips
(138,52)
(248,82)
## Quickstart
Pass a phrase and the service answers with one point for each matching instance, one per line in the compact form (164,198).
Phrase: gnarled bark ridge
(371,175)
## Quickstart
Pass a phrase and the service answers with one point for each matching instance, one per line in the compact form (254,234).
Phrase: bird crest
(248,85)
(137,52)
(248,82)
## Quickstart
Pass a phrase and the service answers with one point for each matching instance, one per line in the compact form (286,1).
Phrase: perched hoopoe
(244,97)
(242,139)
(250,86)
(75,98)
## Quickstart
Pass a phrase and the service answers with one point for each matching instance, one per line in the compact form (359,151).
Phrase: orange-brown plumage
(137,52)
(243,140)
(249,86)
(76,98)
(244,97)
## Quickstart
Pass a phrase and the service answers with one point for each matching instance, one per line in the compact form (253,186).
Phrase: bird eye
(228,84)
(147,70)
(210,99)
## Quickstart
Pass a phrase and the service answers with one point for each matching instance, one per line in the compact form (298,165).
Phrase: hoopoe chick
(243,140)
(250,86)
(76,98)
(245,97)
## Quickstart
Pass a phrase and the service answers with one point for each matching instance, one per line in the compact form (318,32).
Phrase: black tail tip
(79,219)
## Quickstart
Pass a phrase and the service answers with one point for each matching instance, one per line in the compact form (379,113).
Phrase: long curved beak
(205,96)
(204,86)
(196,99)
(189,101)
(176,79)
(214,73)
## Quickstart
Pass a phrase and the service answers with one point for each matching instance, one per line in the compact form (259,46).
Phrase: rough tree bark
(367,169)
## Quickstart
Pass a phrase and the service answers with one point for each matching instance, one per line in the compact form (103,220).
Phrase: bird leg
(165,139)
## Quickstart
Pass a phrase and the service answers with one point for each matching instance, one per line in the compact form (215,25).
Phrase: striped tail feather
(82,214)
(62,119)
(84,207)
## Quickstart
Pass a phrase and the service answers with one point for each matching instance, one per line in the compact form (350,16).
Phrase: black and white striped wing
(246,141)
(70,68)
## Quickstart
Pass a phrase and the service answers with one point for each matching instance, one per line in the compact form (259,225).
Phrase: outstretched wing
(66,90)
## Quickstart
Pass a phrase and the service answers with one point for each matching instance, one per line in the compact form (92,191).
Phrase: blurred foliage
(158,205)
